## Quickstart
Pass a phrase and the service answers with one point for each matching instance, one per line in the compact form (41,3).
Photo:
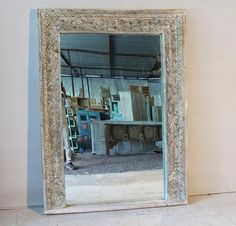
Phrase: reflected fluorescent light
(142,78)
(93,76)
(153,78)
(121,77)
(65,75)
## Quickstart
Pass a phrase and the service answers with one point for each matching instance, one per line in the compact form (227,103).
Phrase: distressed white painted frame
(170,24)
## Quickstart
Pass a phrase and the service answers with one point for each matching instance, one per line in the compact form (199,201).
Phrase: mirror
(116,80)
(111,82)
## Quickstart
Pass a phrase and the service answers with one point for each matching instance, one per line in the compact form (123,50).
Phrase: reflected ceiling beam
(68,63)
(110,56)
(71,72)
(101,52)
(116,77)
(82,81)
(108,68)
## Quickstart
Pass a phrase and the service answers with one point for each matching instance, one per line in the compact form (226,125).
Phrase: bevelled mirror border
(170,24)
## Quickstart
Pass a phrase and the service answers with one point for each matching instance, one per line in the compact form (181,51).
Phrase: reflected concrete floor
(87,163)
(114,187)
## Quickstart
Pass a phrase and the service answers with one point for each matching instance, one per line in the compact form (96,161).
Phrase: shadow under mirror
(112,117)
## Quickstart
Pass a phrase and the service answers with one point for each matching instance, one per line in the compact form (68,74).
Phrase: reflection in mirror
(112,117)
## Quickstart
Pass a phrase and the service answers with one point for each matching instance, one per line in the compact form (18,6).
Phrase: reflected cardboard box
(140,89)
(74,102)
(86,102)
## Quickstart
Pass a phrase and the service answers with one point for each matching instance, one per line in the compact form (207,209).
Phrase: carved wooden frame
(171,25)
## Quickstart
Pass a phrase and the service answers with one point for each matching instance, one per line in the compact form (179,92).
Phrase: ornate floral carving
(170,24)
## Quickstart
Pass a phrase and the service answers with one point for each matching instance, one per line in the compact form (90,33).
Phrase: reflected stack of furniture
(115,108)
(84,118)
(84,125)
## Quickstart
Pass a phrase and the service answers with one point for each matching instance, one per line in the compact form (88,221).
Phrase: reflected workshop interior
(111,88)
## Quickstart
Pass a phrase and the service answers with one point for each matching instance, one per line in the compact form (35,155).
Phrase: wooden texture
(132,106)
(170,24)
(130,131)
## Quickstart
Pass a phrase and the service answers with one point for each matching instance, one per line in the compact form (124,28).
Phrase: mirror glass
(111,88)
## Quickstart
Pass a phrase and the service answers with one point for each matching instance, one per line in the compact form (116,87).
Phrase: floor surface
(87,163)
(211,210)
(114,187)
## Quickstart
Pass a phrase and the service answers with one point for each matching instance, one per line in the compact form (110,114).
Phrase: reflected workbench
(133,131)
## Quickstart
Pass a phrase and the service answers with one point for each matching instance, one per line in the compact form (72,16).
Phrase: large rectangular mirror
(111,92)
(113,109)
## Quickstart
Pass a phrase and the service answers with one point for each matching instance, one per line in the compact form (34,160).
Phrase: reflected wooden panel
(134,131)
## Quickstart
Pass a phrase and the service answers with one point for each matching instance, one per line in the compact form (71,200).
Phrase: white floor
(114,187)
(211,210)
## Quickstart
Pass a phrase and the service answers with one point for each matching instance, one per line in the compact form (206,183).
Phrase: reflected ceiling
(125,56)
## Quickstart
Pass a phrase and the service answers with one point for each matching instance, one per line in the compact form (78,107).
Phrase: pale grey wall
(210,84)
